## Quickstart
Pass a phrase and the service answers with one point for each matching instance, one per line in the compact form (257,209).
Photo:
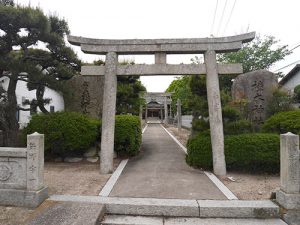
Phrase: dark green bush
(128,135)
(66,133)
(70,133)
(247,152)
(238,127)
(283,122)
(200,125)
(230,114)
(297,93)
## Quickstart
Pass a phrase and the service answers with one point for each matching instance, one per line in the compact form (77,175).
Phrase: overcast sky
(126,19)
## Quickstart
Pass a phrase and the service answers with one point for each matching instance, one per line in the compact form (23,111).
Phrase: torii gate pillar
(108,114)
(215,113)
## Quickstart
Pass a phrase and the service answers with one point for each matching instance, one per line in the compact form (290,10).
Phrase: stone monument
(256,88)
(85,95)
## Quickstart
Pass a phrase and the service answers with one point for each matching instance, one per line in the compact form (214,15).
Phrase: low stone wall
(22,174)
(289,194)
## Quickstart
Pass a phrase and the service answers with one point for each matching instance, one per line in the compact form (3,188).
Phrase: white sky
(122,19)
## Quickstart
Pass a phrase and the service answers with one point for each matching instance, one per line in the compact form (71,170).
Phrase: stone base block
(288,201)
(23,198)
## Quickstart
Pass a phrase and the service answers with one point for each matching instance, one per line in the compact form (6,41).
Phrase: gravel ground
(245,186)
(252,187)
(181,136)
(61,178)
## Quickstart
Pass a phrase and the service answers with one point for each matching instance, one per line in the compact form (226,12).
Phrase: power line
(295,47)
(297,43)
(213,23)
(287,66)
(229,18)
(221,19)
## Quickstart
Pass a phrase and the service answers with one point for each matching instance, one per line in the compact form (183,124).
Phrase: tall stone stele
(256,89)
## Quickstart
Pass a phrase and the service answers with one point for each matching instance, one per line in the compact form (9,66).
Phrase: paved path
(160,171)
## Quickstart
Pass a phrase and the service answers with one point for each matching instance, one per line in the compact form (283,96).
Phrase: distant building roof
(290,75)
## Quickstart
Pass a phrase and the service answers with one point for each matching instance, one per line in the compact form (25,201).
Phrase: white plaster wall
(292,83)
(22,92)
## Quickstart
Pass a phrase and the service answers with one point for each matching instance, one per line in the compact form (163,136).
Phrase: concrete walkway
(160,171)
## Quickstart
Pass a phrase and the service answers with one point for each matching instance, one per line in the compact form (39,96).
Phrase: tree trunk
(40,98)
(11,128)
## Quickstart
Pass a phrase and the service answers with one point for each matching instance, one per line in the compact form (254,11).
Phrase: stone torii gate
(160,48)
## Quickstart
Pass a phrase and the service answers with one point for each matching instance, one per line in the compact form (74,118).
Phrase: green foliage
(297,93)
(238,127)
(230,114)
(70,133)
(7,2)
(283,122)
(129,92)
(261,53)
(200,126)
(128,135)
(24,29)
(180,88)
(280,101)
(66,133)
(247,152)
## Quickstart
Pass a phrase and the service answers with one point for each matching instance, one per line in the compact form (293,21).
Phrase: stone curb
(180,207)
(238,209)
(63,213)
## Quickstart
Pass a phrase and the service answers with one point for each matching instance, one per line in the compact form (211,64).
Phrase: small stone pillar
(289,194)
(166,111)
(161,114)
(179,118)
(35,162)
(108,114)
(215,113)
(146,113)
(141,113)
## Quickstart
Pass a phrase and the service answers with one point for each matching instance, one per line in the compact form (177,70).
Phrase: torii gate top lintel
(169,46)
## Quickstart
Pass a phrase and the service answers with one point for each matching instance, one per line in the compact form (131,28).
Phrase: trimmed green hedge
(283,122)
(128,135)
(248,152)
(66,133)
(71,133)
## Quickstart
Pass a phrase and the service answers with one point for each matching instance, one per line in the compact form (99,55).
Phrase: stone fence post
(289,194)
(35,161)
(179,118)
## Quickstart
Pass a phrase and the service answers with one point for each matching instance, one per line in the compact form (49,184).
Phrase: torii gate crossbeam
(160,48)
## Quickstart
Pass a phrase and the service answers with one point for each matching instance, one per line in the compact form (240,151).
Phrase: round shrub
(66,133)
(230,114)
(247,152)
(283,122)
(238,127)
(297,93)
(128,135)
(200,125)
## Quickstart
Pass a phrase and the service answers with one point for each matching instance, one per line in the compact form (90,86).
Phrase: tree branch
(23,109)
